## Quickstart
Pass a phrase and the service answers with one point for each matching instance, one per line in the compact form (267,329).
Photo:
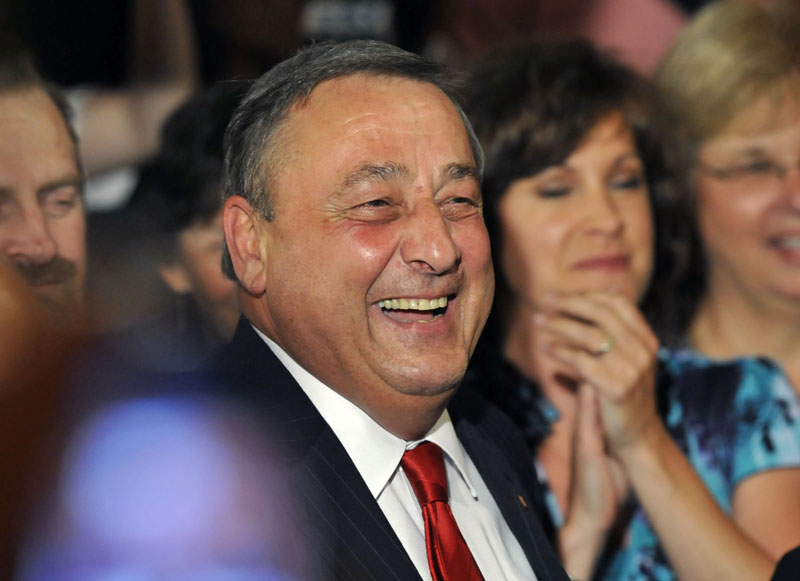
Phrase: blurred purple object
(167,489)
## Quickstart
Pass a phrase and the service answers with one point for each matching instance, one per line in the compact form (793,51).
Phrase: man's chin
(436,382)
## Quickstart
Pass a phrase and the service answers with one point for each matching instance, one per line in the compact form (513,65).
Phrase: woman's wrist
(647,444)
(579,547)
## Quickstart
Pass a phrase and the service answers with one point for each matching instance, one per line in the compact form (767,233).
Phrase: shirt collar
(375,451)
(443,434)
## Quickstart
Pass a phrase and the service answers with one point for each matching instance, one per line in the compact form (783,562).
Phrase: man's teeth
(414,304)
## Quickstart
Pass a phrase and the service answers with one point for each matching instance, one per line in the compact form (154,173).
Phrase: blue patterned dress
(731,418)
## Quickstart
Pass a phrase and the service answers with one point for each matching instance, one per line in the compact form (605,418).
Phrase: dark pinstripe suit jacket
(347,530)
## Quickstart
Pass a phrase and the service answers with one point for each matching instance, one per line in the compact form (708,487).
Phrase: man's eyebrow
(73,180)
(461,171)
(381,172)
(384,172)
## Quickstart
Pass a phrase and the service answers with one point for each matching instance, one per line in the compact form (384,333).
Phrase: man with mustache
(42,218)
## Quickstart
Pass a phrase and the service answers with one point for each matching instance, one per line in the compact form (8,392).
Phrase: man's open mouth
(414,310)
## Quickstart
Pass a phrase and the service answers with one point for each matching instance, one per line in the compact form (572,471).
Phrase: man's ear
(245,237)
(175,277)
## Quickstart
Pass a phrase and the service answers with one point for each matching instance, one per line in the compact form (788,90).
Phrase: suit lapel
(351,529)
(478,429)
(343,521)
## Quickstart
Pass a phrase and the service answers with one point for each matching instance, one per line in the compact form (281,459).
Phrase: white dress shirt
(376,454)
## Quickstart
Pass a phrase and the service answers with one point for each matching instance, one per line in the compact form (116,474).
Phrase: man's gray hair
(252,137)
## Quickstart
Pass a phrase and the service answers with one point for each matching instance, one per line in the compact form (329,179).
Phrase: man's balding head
(42,218)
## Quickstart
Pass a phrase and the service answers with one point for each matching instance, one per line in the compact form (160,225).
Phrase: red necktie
(448,555)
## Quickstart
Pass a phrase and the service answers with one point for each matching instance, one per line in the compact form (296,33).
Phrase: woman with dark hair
(178,206)
(643,452)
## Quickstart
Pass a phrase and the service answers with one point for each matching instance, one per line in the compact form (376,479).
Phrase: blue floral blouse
(731,418)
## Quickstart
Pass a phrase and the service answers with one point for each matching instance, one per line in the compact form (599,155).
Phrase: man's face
(378,271)
(42,222)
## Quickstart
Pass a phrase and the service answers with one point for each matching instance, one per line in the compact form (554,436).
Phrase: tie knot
(424,467)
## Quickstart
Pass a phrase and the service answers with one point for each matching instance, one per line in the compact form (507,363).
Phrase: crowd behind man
(354,235)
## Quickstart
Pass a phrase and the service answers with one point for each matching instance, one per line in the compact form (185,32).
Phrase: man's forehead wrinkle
(363,119)
(360,118)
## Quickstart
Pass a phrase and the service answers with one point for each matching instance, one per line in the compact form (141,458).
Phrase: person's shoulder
(725,388)
(246,355)
(688,357)
(752,373)
(472,407)
(247,365)
(249,372)
(502,440)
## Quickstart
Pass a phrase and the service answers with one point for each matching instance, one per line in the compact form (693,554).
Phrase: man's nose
(428,243)
(28,236)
